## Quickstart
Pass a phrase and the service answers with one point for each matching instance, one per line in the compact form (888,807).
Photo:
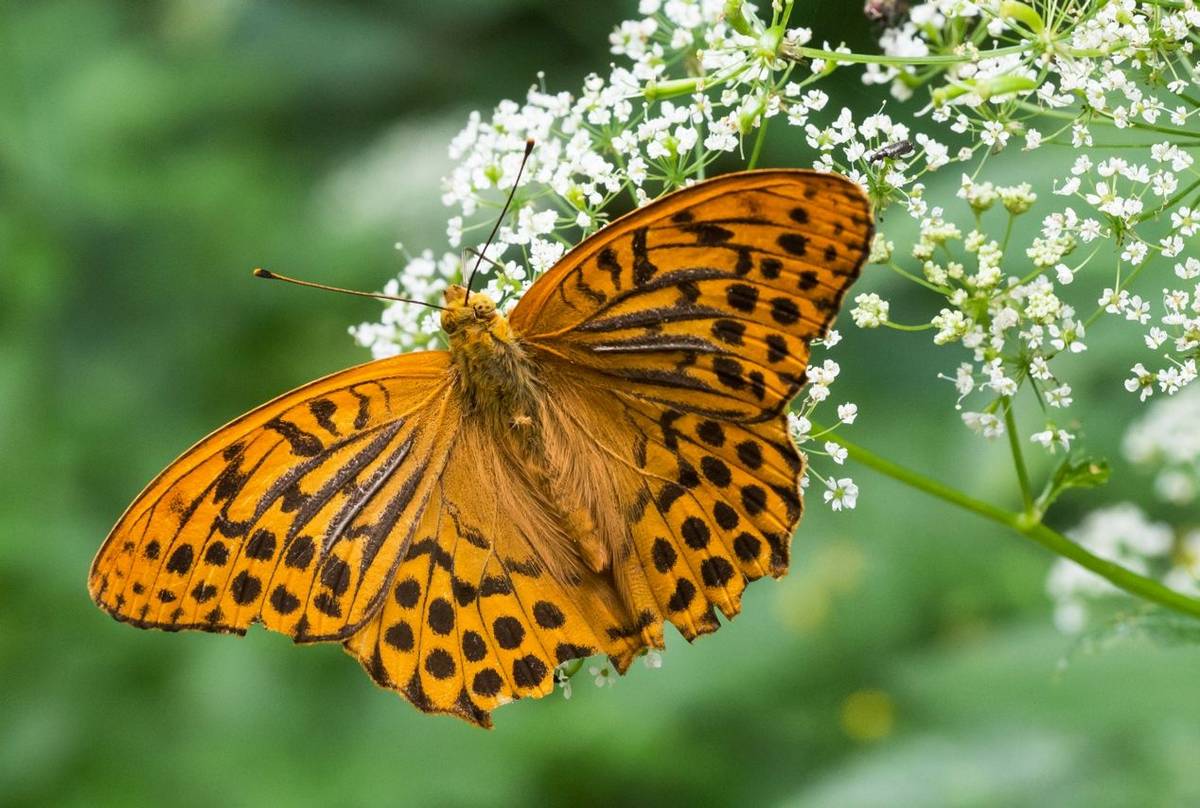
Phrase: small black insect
(890,151)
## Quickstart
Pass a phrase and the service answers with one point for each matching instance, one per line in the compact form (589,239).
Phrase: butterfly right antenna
(512,192)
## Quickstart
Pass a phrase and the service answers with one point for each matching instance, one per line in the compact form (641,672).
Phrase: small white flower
(1142,382)
(1052,438)
(564,683)
(984,423)
(841,494)
(836,453)
(602,675)
(1189,269)
(799,427)
(847,412)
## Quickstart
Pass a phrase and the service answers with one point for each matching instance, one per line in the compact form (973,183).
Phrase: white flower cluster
(1088,66)
(1091,65)
(840,493)
(696,79)
(1014,326)
(624,139)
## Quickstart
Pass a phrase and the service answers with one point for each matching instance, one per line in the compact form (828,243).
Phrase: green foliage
(151,155)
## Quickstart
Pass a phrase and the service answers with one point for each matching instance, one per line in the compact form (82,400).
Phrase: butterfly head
(469,316)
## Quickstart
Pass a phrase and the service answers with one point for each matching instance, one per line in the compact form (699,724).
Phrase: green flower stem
(801,52)
(1170,203)
(758,143)
(1103,120)
(902,327)
(1014,443)
(1052,540)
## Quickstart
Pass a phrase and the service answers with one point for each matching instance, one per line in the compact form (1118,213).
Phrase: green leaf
(1087,472)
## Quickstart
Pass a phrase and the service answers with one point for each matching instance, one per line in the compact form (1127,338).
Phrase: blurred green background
(151,153)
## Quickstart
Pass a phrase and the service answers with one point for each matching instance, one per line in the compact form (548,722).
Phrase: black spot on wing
(302,443)
(793,243)
(708,234)
(607,261)
(643,268)
(323,410)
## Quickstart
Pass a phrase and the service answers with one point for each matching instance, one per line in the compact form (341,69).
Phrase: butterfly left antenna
(511,192)
(259,272)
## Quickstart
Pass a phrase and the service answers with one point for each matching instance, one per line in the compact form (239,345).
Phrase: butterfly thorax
(495,375)
(502,394)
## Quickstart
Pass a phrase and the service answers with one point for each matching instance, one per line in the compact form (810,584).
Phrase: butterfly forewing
(294,515)
(697,312)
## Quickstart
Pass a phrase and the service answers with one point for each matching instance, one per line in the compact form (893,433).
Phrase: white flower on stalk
(1142,382)
(564,683)
(799,427)
(841,494)
(984,423)
(1060,396)
(1188,270)
(1068,337)
(1052,438)
(870,310)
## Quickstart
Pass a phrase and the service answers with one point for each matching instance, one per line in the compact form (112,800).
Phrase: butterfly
(562,482)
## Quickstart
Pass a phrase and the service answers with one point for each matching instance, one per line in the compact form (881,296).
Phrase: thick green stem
(1052,540)
(1014,443)
(759,139)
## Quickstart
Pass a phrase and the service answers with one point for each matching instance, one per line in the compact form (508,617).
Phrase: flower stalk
(1031,528)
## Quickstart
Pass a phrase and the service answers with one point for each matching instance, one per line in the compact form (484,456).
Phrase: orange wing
(691,320)
(295,515)
(474,618)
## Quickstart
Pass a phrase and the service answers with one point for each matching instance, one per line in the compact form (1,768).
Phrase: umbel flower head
(696,80)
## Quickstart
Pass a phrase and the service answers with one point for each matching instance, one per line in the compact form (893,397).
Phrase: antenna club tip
(528,146)
(259,272)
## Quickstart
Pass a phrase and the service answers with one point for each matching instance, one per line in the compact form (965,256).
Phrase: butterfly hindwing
(692,317)
(294,515)
(474,618)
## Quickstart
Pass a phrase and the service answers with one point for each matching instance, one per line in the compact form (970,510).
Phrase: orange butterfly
(556,485)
